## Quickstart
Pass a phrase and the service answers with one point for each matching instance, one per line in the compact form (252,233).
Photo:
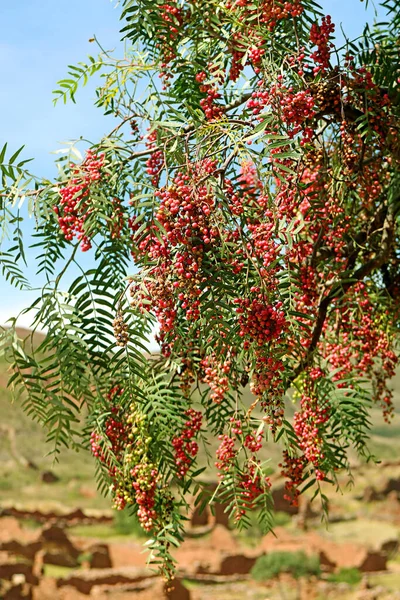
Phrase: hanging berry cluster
(122,446)
(74,207)
(185,446)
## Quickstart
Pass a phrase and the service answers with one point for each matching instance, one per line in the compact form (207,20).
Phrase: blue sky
(38,39)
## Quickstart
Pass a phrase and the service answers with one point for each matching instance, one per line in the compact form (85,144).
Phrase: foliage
(298,564)
(246,207)
(351,576)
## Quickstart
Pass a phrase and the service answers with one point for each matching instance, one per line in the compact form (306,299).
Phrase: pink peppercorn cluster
(259,322)
(144,482)
(185,447)
(155,162)
(251,480)
(185,210)
(362,346)
(74,207)
(295,108)
(254,484)
(293,468)
(226,454)
(320,37)
(268,13)
(114,437)
(307,425)
(216,376)
(170,27)
(212,110)
(125,438)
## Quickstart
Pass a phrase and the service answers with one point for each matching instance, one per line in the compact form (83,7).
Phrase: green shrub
(351,576)
(297,564)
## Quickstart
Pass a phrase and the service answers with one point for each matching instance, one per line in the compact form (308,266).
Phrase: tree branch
(339,289)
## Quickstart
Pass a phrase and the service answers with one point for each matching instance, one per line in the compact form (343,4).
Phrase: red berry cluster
(320,37)
(293,470)
(260,322)
(185,210)
(212,110)
(253,442)
(159,296)
(226,454)
(126,436)
(155,163)
(74,205)
(253,484)
(168,33)
(114,429)
(295,108)
(267,384)
(144,482)
(185,446)
(363,348)
(216,376)
(259,98)
(269,13)
(308,424)
(114,436)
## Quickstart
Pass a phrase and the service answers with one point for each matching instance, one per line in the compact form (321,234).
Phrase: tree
(252,176)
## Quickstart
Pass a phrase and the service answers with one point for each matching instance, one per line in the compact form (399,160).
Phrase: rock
(100,557)
(213,514)
(200,519)
(17,591)
(120,591)
(55,537)
(390,548)
(230,564)
(58,548)
(10,567)
(220,514)
(373,561)
(46,589)
(325,562)
(49,477)
(84,581)
(38,564)
(60,558)
(158,590)
(392,485)
(10,529)
(333,555)
(76,515)
(28,550)
(66,593)
(176,592)
(237,564)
